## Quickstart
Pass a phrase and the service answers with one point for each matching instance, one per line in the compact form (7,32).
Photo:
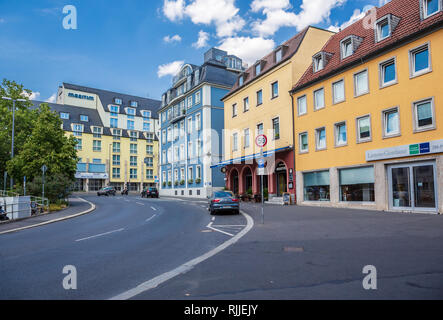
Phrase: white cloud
(277,15)
(357,15)
(247,48)
(381,3)
(170,69)
(31,96)
(203,38)
(52,99)
(174,10)
(174,38)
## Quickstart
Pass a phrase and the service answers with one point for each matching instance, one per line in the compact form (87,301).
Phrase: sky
(136,46)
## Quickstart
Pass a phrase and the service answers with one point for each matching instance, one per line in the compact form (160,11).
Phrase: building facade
(191,118)
(259,103)
(116,135)
(368,113)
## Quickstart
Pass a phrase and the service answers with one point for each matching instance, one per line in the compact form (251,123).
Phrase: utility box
(16,207)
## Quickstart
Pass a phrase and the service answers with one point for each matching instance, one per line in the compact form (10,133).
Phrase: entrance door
(282,184)
(412,186)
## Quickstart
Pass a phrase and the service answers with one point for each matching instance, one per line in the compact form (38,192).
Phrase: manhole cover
(293,249)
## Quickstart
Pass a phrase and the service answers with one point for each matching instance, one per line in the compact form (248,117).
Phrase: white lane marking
(215,229)
(140,203)
(100,235)
(186,267)
(213,219)
(127,201)
(147,220)
(228,225)
(153,209)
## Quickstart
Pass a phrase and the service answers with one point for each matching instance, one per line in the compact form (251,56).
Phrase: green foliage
(249,192)
(56,187)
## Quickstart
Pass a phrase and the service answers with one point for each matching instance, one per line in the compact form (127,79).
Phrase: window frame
(336,134)
(273,128)
(298,105)
(425,11)
(246,142)
(342,47)
(384,113)
(356,95)
(416,128)
(234,110)
(344,91)
(381,68)
(300,150)
(412,53)
(246,105)
(317,130)
(378,28)
(272,90)
(357,126)
(315,100)
(256,96)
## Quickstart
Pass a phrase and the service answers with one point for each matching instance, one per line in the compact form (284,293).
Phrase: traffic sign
(261,141)
(44,168)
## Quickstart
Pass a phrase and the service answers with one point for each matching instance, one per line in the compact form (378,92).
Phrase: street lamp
(13,129)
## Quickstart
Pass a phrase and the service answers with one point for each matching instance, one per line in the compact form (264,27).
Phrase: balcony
(180,116)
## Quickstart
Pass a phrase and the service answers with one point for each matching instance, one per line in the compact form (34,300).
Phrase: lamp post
(13,129)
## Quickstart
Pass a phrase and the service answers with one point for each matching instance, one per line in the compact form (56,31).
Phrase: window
(320,138)
(424,117)
(97,132)
(114,111)
(341,138)
(150,162)
(420,60)
(64,115)
(84,118)
(364,129)
(198,172)
(78,130)
(115,160)
(116,173)
(388,73)
(146,114)
(319,99)
(132,173)
(346,48)
(149,174)
(260,130)
(133,135)
(189,102)
(357,184)
(430,7)
(274,90)
(234,110)
(259,97)
(302,105)
(199,148)
(198,122)
(235,142)
(383,29)
(134,104)
(116,147)
(278,55)
(164,157)
(131,125)
(318,62)
(303,142)
(169,134)
(245,104)
(133,148)
(182,152)
(361,85)
(197,98)
(240,80)
(176,176)
(164,136)
(338,91)
(78,146)
(149,149)
(118,101)
(169,175)
(97,145)
(257,69)
(316,186)
(189,125)
(190,150)
(114,123)
(276,128)
(190,173)
(146,126)
(391,123)
(247,138)
(133,161)
(176,131)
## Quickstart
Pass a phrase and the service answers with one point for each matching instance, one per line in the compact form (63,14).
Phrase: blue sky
(134,46)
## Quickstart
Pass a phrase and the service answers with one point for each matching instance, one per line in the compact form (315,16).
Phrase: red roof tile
(410,23)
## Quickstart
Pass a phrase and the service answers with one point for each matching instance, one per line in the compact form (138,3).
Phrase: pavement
(76,207)
(320,253)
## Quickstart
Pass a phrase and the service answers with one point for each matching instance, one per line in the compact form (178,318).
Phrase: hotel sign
(405,151)
(80,96)
(87,175)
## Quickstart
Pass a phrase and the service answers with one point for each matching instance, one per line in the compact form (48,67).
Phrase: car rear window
(222,195)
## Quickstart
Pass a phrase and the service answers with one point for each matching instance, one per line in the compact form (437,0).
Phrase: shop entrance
(234,181)
(281,176)
(413,187)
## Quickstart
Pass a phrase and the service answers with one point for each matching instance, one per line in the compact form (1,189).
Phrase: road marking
(228,225)
(186,267)
(215,229)
(153,209)
(127,201)
(147,220)
(100,235)
(213,219)
(140,203)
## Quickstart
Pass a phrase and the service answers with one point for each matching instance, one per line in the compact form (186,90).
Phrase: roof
(75,112)
(409,25)
(218,74)
(268,62)
(107,98)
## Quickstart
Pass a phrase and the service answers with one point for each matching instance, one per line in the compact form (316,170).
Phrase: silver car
(223,201)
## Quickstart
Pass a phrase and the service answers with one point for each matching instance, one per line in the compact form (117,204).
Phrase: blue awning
(266,154)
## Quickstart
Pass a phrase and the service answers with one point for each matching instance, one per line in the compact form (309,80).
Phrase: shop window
(316,186)
(357,184)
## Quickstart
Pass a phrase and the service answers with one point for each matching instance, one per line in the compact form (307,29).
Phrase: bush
(190,181)
(198,181)
(57,187)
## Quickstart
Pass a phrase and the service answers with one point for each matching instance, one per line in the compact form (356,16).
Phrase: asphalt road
(126,241)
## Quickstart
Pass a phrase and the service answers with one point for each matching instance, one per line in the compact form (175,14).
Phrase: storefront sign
(86,175)
(405,151)
(80,96)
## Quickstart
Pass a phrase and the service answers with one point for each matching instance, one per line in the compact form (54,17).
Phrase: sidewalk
(77,207)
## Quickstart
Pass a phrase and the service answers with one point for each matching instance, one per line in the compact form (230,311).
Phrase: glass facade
(316,186)
(357,184)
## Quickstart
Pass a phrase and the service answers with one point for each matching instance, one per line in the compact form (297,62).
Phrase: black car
(150,193)
(222,201)
(108,191)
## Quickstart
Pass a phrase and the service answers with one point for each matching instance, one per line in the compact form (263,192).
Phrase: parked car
(108,191)
(150,193)
(224,201)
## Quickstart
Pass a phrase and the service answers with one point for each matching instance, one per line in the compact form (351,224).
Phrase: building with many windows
(368,113)
(116,137)
(191,118)
(259,103)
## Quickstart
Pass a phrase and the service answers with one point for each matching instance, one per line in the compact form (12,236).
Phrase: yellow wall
(286,74)
(402,94)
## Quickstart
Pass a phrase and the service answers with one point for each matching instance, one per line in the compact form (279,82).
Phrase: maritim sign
(80,96)
(405,151)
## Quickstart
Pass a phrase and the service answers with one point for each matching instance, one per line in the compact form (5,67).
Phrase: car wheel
(98,194)
(237,212)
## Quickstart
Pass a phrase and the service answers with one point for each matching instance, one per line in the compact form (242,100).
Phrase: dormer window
(385,26)
(319,62)
(134,104)
(84,118)
(346,48)
(430,7)
(278,55)
(257,69)
(118,101)
(64,115)
(130,112)
(146,114)
(240,80)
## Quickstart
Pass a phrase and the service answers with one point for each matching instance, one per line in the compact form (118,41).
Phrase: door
(282,183)
(413,187)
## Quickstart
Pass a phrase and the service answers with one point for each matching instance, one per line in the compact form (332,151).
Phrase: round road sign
(261,141)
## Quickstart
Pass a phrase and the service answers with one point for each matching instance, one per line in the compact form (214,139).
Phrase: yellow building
(259,103)
(368,113)
(116,135)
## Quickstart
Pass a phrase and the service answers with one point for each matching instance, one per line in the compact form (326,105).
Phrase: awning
(266,154)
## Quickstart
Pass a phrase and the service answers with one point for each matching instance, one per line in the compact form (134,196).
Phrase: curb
(92,208)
